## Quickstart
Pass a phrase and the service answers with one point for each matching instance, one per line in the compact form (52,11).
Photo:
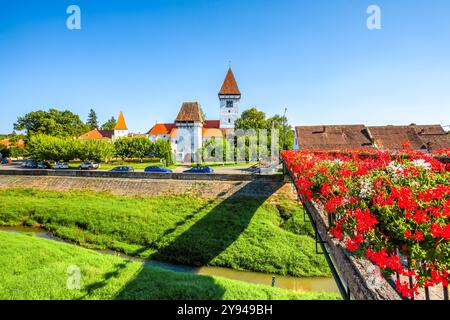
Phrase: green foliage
(255,119)
(44,147)
(132,147)
(96,150)
(4,151)
(162,149)
(52,122)
(92,121)
(33,268)
(110,124)
(239,233)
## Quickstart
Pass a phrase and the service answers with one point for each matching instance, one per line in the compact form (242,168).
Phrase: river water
(312,284)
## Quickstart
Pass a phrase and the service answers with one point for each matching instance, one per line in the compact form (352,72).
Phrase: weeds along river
(285,282)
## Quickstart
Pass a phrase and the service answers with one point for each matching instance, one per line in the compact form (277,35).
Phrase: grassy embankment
(34,268)
(239,233)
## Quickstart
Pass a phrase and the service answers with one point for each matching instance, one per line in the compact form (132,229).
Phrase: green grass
(238,233)
(34,268)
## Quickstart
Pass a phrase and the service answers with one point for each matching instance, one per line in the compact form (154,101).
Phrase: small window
(229,120)
(229,104)
(229,111)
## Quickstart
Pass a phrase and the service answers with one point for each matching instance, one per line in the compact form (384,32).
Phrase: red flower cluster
(396,202)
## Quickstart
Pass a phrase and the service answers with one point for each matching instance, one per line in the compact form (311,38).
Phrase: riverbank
(34,268)
(238,233)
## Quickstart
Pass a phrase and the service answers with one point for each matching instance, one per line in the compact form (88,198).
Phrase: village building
(120,130)
(345,137)
(190,130)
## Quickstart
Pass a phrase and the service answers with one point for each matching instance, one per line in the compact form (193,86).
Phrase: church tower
(229,96)
(120,130)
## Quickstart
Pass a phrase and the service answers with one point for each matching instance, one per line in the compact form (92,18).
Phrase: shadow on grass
(201,243)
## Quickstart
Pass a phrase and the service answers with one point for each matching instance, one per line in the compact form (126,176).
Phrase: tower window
(229,120)
(229,104)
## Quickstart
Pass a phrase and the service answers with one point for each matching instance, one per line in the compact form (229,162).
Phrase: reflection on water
(285,282)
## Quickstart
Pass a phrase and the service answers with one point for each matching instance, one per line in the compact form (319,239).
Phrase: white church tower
(229,96)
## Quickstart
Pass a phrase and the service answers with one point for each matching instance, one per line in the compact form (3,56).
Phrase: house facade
(190,130)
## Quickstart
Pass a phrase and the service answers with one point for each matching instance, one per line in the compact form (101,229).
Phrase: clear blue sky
(316,57)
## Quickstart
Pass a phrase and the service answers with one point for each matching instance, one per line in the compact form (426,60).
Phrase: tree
(110,124)
(92,121)
(162,149)
(252,119)
(44,147)
(123,148)
(140,147)
(286,133)
(96,150)
(52,122)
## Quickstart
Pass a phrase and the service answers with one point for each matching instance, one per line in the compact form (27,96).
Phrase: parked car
(200,169)
(157,169)
(6,161)
(29,164)
(122,169)
(61,165)
(89,165)
(43,165)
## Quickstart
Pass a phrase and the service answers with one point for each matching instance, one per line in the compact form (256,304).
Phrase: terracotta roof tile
(161,128)
(212,124)
(190,112)
(229,86)
(97,135)
(332,137)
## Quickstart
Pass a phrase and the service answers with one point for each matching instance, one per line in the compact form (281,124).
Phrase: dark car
(29,164)
(157,169)
(43,165)
(200,169)
(122,169)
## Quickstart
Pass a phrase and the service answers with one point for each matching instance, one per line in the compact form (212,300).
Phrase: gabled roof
(121,125)
(97,135)
(190,112)
(418,136)
(229,86)
(161,128)
(332,137)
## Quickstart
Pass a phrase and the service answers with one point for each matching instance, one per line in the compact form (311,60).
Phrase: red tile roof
(161,128)
(229,86)
(97,135)
(212,132)
(332,137)
(212,124)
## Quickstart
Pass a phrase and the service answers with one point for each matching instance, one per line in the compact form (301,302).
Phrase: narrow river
(286,282)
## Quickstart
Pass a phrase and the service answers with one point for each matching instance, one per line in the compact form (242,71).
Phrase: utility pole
(284,129)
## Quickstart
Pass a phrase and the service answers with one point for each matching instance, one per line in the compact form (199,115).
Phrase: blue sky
(317,58)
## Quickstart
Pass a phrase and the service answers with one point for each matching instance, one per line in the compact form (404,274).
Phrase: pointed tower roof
(121,125)
(229,86)
(190,112)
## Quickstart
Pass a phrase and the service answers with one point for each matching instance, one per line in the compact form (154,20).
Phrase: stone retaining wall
(212,188)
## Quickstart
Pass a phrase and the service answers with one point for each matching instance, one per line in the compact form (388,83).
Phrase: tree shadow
(205,240)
